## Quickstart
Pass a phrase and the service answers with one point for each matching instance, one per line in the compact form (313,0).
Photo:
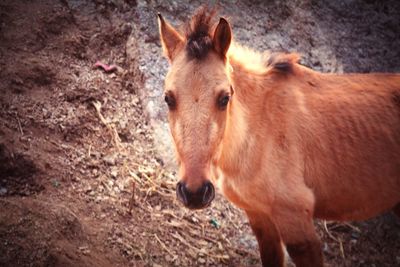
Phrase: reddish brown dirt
(67,172)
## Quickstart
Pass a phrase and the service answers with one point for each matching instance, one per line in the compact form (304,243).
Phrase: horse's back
(351,143)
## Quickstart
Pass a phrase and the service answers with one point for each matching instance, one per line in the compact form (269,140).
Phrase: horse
(281,141)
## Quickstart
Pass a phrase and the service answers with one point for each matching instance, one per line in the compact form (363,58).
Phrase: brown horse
(281,141)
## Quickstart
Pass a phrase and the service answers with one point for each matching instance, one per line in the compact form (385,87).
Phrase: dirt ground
(86,168)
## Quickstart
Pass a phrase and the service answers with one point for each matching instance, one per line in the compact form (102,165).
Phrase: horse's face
(197,92)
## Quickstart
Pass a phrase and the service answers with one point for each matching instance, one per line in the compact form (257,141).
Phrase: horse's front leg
(298,233)
(269,240)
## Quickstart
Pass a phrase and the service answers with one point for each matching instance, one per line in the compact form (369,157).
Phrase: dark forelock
(198,33)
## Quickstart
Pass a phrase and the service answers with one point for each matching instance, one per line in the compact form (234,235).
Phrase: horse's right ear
(171,40)
(222,37)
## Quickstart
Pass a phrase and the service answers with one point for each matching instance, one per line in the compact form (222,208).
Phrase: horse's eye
(170,100)
(223,101)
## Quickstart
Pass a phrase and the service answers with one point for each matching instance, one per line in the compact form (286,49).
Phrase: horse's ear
(222,37)
(171,40)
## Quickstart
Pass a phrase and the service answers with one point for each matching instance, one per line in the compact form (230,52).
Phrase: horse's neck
(240,138)
(247,84)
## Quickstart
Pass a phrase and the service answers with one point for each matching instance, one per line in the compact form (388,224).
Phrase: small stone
(17,80)
(88,190)
(3,191)
(135,100)
(168,258)
(84,250)
(110,159)
(201,260)
(56,183)
(114,173)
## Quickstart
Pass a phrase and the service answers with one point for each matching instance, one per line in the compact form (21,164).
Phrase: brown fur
(292,145)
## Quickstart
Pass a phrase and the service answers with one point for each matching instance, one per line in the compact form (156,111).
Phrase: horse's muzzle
(195,200)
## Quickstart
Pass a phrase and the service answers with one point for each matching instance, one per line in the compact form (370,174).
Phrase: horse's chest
(236,191)
(248,192)
(232,194)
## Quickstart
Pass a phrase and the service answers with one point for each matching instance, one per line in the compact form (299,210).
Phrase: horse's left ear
(222,37)
(171,40)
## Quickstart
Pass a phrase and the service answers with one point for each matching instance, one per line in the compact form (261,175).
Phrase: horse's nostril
(209,193)
(181,193)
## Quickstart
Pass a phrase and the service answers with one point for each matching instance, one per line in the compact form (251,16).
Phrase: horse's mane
(199,31)
(260,62)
